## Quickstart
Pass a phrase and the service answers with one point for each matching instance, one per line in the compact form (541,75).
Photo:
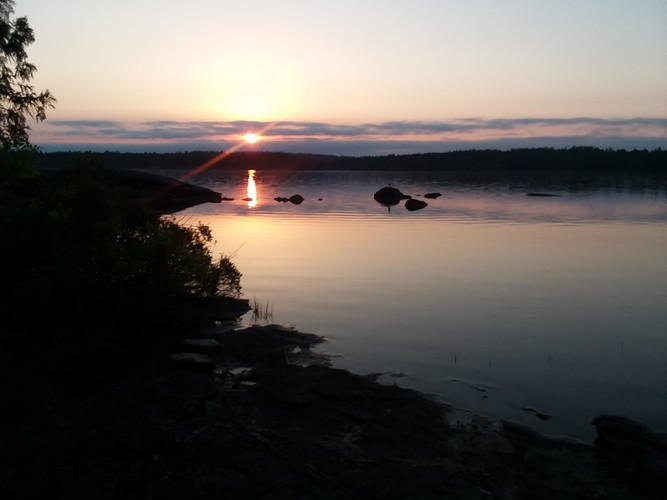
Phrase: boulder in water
(413,204)
(296,199)
(389,196)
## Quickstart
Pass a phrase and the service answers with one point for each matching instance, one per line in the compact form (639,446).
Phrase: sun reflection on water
(252,189)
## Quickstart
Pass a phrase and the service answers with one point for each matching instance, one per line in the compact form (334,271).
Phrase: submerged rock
(538,414)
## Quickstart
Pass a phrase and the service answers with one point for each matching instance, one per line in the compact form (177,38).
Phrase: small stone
(538,414)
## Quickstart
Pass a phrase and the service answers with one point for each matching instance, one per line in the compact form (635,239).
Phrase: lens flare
(220,157)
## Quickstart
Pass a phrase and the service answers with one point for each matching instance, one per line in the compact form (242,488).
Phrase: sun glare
(251,138)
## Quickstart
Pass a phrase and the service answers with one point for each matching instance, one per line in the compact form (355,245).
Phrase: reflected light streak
(252,189)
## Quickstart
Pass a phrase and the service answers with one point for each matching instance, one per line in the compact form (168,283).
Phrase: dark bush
(76,248)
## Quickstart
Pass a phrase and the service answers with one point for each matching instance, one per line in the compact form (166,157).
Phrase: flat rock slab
(254,343)
(202,345)
(191,360)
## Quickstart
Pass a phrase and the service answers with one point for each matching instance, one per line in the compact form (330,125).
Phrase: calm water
(489,298)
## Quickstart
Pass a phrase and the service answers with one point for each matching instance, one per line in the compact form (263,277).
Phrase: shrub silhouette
(77,249)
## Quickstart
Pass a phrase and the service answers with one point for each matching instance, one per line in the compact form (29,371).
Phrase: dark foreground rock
(268,418)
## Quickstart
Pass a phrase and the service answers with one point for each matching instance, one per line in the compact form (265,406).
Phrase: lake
(491,299)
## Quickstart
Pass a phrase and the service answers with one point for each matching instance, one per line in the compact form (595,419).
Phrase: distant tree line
(576,159)
(534,160)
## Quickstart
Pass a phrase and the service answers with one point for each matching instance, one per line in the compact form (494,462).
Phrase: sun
(251,138)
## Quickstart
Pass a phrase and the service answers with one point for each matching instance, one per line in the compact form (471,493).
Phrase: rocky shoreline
(260,413)
(221,412)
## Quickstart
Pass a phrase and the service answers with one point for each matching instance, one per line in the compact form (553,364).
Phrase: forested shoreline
(534,160)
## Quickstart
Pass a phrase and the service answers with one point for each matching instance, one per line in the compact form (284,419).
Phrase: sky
(350,77)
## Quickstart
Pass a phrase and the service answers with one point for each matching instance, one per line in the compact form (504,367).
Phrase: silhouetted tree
(18,99)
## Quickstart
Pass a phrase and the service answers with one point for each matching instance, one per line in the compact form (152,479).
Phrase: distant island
(534,160)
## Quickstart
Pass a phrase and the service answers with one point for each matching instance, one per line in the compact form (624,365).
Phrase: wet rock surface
(269,418)
(413,204)
(389,196)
